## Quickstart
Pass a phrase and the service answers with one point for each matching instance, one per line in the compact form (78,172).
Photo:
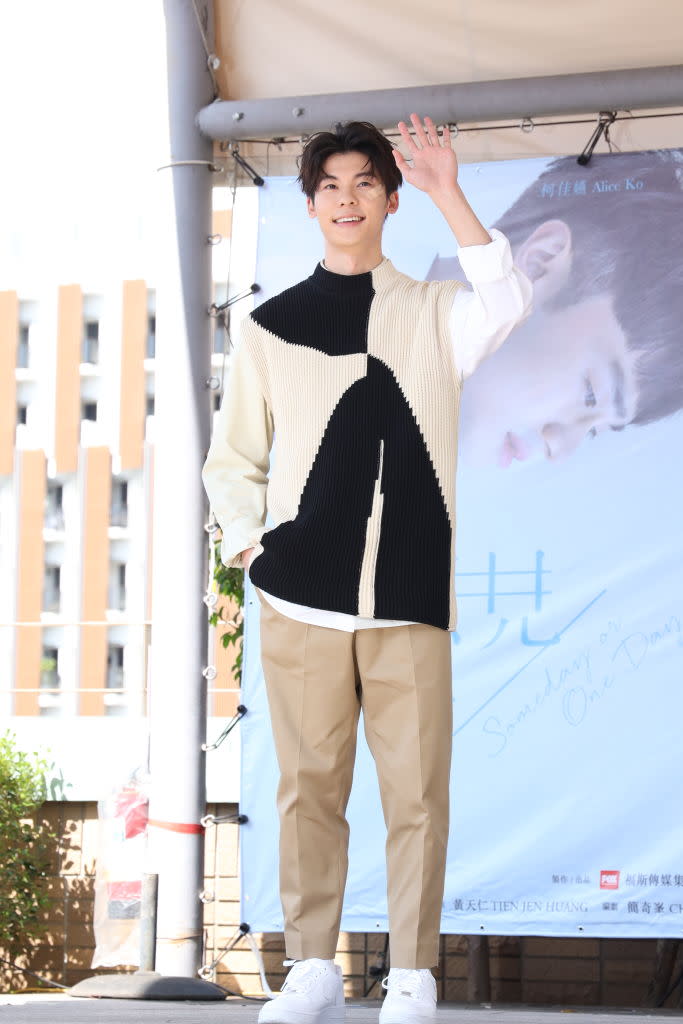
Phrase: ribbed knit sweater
(355,377)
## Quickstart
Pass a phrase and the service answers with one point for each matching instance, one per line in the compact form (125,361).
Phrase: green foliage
(230,583)
(27,846)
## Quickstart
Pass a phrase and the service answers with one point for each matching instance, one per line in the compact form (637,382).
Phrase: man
(357,372)
(602,349)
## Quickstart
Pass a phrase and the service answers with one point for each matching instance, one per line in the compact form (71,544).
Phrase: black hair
(352,137)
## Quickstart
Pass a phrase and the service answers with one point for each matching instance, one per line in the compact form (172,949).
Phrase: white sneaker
(411,996)
(313,993)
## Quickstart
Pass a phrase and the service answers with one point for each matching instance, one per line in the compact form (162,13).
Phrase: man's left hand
(434,163)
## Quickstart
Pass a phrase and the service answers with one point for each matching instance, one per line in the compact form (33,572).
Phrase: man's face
(350,203)
(561,377)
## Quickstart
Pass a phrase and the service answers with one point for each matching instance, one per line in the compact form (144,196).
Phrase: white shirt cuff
(488,262)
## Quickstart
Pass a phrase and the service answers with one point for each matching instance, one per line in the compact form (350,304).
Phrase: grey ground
(64,1009)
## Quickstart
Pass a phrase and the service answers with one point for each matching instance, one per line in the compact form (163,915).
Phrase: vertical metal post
(478,971)
(182,424)
(148,922)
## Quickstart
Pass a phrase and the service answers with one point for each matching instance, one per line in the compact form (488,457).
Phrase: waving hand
(434,163)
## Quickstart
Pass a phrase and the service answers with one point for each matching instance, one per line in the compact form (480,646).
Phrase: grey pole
(546,96)
(182,424)
(148,922)
(177,711)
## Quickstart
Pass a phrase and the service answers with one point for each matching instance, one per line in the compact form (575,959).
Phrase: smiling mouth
(349,220)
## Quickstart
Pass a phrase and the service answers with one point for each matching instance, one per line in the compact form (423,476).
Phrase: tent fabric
(270,49)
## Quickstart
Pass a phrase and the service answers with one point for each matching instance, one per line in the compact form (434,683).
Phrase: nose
(346,196)
(562,439)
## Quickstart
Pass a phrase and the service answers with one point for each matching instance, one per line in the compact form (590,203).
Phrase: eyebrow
(361,174)
(618,384)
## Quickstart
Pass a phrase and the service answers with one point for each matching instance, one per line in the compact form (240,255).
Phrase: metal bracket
(241,712)
(214,819)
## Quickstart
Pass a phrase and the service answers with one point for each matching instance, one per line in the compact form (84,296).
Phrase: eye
(591,400)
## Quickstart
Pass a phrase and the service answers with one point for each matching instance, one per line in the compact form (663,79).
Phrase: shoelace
(404,981)
(301,976)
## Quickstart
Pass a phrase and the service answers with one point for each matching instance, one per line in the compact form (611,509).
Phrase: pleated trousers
(317,680)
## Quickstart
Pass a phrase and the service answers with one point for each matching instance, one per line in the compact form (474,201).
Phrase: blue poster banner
(568,655)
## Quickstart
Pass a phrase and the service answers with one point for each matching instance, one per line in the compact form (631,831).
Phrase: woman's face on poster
(561,377)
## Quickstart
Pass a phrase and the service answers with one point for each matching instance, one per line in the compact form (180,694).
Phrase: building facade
(76,501)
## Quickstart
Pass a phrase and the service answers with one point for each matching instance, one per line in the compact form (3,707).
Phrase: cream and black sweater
(354,377)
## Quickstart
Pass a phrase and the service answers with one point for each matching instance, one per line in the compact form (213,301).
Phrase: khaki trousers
(317,680)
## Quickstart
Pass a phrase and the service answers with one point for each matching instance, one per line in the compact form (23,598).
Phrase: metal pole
(478,969)
(464,102)
(148,922)
(182,424)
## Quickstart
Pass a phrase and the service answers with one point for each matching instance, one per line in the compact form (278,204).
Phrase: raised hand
(434,163)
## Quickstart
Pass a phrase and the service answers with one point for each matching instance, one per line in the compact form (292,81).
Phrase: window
(115,667)
(22,347)
(49,677)
(115,702)
(90,348)
(50,683)
(149,406)
(22,412)
(119,503)
(54,509)
(51,589)
(117,586)
(150,350)
(89,411)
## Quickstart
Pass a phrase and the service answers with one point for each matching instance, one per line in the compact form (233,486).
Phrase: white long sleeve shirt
(480,321)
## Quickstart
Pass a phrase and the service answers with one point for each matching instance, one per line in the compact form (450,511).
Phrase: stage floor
(62,1009)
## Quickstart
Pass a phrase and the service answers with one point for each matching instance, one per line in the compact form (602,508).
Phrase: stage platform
(63,1009)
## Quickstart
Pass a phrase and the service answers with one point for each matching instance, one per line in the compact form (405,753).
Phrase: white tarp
(568,655)
(270,49)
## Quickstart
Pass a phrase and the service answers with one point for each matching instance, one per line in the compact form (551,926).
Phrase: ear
(392,203)
(546,258)
(310,206)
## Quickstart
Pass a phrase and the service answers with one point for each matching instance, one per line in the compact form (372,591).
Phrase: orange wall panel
(96,498)
(67,395)
(221,223)
(133,343)
(9,327)
(30,481)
